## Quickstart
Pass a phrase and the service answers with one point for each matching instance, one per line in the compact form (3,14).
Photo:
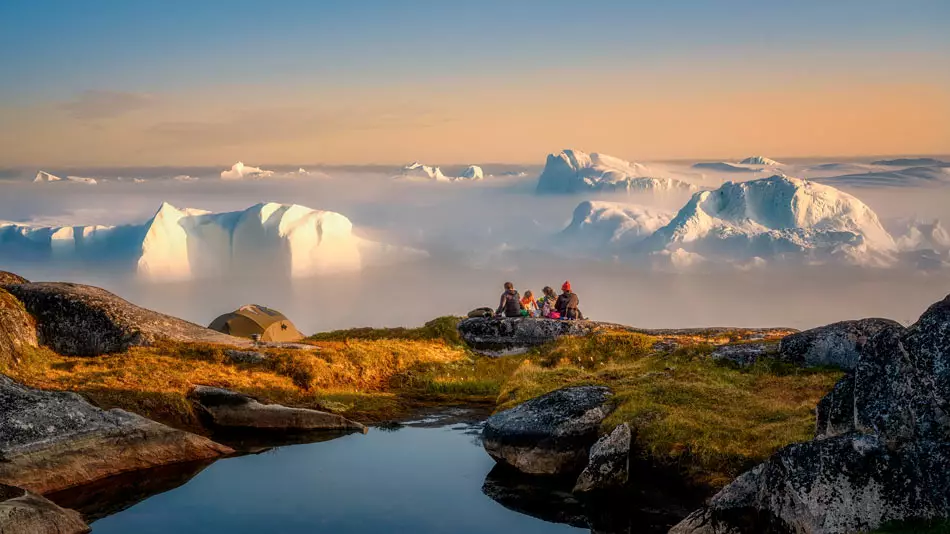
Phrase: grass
(939,526)
(709,420)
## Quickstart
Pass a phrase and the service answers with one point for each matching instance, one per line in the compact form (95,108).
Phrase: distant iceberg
(573,171)
(284,240)
(613,225)
(45,177)
(418,172)
(240,171)
(759,160)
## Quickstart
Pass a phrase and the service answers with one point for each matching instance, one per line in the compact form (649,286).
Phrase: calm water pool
(427,476)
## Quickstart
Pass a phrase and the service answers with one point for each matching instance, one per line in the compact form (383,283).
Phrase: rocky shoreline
(880,453)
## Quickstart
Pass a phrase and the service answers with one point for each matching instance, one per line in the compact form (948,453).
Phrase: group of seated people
(550,306)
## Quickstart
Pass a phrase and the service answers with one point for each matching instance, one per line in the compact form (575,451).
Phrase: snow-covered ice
(573,171)
(240,171)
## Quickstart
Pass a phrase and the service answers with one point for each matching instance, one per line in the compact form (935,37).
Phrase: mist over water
(477,236)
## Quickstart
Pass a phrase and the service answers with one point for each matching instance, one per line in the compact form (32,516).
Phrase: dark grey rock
(51,440)
(835,412)
(17,329)
(495,336)
(245,356)
(229,409)
(23,512)
(848,483)
(744,354)
(608,466)
(551,434)
(837,344)
(87,321)
(928,343)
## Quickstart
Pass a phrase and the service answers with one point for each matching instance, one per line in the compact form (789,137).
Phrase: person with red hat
(567,303)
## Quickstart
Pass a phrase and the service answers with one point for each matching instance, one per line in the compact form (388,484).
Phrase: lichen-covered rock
(230,409)
(505,335)
(609,464)
(245,356)
(837,344)
(83,320)
(551,434)
(23,512)
(7,279)
(848,483)
(744,354)
(835,412)
(51,441)
(928,343)
(17,328)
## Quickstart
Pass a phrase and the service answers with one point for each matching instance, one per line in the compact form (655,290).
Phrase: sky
(111,82)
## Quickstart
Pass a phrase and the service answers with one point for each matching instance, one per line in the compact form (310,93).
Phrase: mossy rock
(7,278)
(17,329)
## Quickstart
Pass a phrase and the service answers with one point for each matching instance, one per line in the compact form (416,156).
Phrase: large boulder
(8,279)
(837,344)
(229,409)
(551,434)
(512,334)
(17,329)
(23,512)
(83,320)
(609,465)
(51,441)
(848,483)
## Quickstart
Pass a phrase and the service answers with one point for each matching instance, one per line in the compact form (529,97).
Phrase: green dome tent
(270,325)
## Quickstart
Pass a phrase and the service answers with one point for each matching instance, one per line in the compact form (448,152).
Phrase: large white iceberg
(573,171)
(776,217)
(612,224)
(268,239)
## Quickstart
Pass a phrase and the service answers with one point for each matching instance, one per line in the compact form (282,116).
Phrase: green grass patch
(442,328)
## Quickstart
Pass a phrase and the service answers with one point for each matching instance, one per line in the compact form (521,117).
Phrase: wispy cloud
(102,104)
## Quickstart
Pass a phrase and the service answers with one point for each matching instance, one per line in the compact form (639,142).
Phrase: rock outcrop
(229,409)
(82,320)
(551,434)
(51,441)
(837,344)
(17,329)
(9,279)
(881,452)
(23,512)
(744,354)
(609,464)
(494,336)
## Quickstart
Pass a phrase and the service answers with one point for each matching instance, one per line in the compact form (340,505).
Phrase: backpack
(481,312)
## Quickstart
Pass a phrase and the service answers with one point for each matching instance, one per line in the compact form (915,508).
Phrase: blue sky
(51,51)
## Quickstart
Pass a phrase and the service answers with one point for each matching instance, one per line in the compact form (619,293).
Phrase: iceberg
(417,172)
(240,171)
(473,172)
(573,171)
(775,217)
(285,240)
(613,224)
(45,177)
(759,160)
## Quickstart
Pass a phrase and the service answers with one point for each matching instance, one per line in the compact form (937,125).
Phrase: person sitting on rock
(567,303)
(547,302)
(510,305)
(529,304)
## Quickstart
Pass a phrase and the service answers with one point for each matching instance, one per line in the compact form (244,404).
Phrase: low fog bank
(411,294)
(478,235)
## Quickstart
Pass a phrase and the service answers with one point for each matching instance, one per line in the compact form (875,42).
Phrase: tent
(270,325)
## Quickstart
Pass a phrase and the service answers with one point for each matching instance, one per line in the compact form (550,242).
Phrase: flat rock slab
(22,512)
(838,344)
(84,320)
(745,354)
(506,335)
(50,441)
(551,434)
(229,409)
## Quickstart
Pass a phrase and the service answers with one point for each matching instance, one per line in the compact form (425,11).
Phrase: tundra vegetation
(708,420)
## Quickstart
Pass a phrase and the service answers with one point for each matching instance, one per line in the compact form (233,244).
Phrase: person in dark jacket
(567,303)
(510,305)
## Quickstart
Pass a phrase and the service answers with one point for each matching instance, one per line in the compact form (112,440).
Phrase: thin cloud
(101,104)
